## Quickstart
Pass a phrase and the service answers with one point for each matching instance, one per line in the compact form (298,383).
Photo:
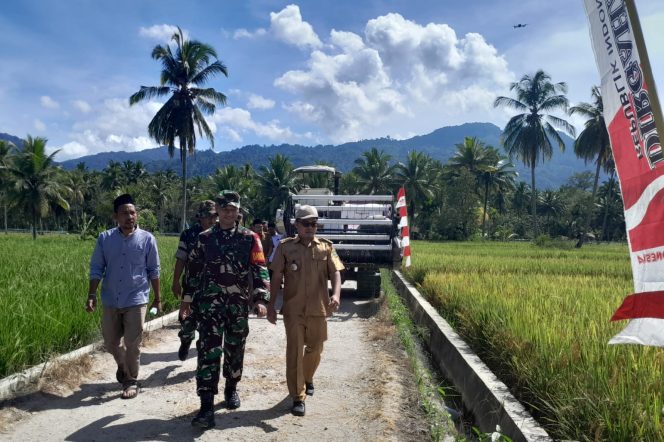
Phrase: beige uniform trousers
(305,336)
(127,323)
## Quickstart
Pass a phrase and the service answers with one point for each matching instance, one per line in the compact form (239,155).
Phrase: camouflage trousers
(187,331)
(222,328)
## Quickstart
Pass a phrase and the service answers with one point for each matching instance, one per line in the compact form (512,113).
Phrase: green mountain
(439,144)
(16,141)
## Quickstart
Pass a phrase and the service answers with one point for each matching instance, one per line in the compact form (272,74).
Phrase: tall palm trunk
(5,214)
(183,157)
(411,219)
(589,215)
(486,201)
(34,224)
(606,206)
(533,201)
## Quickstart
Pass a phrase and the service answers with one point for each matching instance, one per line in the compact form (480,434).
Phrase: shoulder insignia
(286,240)
(324,240)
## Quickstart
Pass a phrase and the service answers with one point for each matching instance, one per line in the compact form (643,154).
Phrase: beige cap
(306,212)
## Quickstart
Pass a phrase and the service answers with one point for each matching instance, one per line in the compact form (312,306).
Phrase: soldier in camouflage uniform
(221,265)
(206,216)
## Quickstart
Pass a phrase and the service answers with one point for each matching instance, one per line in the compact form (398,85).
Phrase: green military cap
(228,198)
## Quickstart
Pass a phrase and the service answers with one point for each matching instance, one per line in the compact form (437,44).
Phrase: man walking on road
(222,262)
(206,217)
(306,263)
(126,258)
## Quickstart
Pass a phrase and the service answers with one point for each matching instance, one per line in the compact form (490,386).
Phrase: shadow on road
(179,428)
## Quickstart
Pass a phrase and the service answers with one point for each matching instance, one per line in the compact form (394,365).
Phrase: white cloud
(39,125)
(72,150)
(243,33)
(161,33)
(235,121)
(114,126)
(49,103)
(258,102)
(82,106)
(287,26)
(400,77)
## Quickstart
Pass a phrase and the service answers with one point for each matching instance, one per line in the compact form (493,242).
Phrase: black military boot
(230,395)
(205,417)
(183,351)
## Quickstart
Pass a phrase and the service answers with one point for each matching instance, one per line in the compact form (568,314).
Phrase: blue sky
(313,72)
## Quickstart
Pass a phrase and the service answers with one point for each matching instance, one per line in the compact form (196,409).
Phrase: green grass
(43,289)
(431,395)
(540,319)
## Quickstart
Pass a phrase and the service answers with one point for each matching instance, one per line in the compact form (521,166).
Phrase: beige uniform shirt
(306,270)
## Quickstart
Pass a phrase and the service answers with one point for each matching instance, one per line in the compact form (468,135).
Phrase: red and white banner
(632,121)
(403,225)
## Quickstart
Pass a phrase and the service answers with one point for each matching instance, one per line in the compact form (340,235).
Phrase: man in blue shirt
(126,258)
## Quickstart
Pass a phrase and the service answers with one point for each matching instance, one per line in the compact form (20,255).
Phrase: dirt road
(364,391)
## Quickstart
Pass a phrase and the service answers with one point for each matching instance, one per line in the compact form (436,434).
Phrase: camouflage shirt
(222,262)
(188,240)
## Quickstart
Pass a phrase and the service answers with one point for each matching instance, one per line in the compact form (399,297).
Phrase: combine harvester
(363,228)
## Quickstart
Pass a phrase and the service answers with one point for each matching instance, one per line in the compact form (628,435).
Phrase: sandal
(130,391)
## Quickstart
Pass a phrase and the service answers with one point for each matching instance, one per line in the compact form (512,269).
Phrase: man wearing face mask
(306,263)
(221,263)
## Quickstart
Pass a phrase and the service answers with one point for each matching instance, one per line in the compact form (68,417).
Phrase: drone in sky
(520,25)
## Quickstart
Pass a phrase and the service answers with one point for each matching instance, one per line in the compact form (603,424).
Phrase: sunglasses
(308,223)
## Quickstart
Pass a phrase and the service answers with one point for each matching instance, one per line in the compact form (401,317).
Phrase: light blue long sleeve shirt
(126,265)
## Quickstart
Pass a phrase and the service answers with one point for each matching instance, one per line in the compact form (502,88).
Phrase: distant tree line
(475,194)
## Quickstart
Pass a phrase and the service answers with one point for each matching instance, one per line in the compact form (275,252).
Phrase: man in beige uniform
(306,263)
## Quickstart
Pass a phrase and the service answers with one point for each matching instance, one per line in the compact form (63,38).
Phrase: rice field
(43,289)
(539,317)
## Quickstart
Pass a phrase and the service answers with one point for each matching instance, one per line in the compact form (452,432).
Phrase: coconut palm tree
(498,175)
(35,183)
(184,71)
(233,178)
(527,136)
(276,181)
(471,155)
(609,197)
(374,172)
(112,176)
(6,154)
(520,197)
(350,184)
(417,176)
(160,194)
(593,142)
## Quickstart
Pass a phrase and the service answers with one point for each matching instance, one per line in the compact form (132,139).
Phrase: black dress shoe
(310,389)
(298,408)
(204,419)
(232,399)
(184,350)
